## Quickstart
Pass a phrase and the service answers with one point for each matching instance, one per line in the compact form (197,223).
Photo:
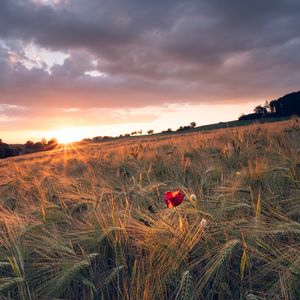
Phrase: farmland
(89,221)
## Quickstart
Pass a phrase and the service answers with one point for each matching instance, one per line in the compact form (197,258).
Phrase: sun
(67,135)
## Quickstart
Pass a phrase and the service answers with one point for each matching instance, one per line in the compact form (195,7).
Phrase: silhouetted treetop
(285,106)
(260,110)
(151,131)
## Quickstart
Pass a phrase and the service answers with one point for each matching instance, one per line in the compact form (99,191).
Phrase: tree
(44,141)
(151,131)
(29,145)
(183,128)
(52,141)
(193,124)
(38,146)
(267,106)
(6,151)
(272,105)
(52,144)
(287,105)
(260,110)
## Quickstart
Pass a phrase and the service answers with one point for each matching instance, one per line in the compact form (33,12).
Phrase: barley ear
(185,290)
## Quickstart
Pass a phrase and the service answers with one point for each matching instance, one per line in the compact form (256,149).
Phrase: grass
(89,222)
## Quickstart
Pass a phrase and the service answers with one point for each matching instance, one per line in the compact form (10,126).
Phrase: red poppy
(173,198)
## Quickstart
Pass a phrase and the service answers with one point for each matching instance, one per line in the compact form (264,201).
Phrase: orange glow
(124,121)
(67,135)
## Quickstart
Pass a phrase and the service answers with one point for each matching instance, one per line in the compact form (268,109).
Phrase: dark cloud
(151,52)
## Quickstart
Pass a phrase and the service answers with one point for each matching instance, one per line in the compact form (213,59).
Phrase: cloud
(6,119)
(136,53)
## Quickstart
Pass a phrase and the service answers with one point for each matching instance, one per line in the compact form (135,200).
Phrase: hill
(285,106)
(89,221)
(276,110)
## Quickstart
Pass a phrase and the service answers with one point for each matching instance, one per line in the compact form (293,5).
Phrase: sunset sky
(97,67)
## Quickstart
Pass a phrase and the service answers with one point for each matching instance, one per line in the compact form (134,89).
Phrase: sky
(95,67)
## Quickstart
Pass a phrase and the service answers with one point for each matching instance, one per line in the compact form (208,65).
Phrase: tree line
(285,106)
(97,139)
(7,150)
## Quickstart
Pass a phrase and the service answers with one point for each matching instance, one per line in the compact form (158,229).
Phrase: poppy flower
(173,198)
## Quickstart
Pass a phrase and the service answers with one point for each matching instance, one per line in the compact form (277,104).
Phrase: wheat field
(89,221)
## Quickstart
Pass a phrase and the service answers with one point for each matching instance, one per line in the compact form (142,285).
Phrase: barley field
(90,222)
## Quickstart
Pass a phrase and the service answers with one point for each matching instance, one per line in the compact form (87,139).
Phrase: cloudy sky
(108,67)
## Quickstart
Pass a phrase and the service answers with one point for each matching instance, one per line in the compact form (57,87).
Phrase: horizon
(76,133)
(78,69)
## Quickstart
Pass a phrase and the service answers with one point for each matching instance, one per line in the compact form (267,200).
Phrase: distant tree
(250,117)
(29,145)
(97,139)
(167,131)
(183,128)
(273,106)
(287,105)
(2,145)
(267,106)
(44,141)
(193,124)
(52,144)
(52,141)
(136,132)
(86,140)
(40,146)
(6,151)
(151,131)
(260,110)
(126,134)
